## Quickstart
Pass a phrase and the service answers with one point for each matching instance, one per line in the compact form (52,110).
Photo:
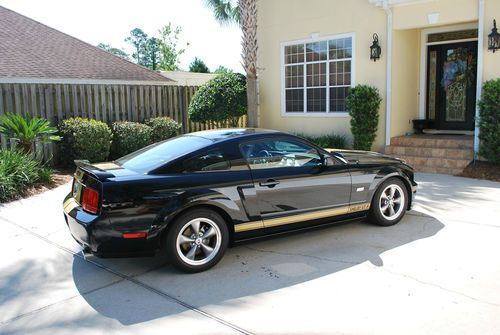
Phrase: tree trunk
(252,97)
(248,24)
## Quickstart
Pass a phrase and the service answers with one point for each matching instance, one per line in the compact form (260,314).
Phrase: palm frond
(226,12)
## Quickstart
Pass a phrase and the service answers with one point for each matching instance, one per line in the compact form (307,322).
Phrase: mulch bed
(60,177)
(482,170)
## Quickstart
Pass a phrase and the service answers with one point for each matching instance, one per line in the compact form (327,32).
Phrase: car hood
(366,157)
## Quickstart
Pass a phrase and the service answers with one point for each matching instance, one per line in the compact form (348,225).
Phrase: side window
(212,160)
(279,153)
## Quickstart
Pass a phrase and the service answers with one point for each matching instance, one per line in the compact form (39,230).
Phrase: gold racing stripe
(301,217)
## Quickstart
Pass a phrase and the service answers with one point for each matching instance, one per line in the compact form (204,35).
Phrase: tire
(389,203)
(185,246)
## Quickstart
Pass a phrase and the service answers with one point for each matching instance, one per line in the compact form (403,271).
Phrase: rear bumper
(96,235)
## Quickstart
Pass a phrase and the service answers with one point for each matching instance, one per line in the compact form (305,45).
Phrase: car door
(292,184)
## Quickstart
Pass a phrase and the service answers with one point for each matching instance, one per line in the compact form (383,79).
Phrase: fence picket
(105,102)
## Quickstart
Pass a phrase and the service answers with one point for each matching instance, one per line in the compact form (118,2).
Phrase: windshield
(158,154)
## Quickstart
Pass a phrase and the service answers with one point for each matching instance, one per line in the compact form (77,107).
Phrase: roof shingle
(29,49)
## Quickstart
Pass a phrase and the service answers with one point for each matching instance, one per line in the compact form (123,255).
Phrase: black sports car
(193,195)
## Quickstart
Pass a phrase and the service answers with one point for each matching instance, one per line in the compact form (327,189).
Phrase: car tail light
(90,200)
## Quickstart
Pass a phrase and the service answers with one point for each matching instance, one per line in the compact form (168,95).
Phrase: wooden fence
(104,102)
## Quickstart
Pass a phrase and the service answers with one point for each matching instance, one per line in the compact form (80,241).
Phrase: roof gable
(30,49)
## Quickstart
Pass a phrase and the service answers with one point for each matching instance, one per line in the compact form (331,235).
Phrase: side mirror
(328,161)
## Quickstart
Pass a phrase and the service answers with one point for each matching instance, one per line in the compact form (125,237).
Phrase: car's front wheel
(197,240)
(389,203)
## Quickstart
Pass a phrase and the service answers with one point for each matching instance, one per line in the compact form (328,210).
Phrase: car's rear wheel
(197,240)
(389,203)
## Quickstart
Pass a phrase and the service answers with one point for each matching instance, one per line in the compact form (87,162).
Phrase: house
(434,59)
(188,78)
(33,52)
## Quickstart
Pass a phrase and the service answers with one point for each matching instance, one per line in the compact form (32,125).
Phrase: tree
(197,65)
(169,51)
(221,99)
(114,51)
(243,12)
(138,39)
(222,69)
(152,53)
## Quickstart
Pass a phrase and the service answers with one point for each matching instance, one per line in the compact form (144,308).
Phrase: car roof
(218,135)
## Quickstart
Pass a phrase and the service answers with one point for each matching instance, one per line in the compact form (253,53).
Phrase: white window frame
(327,113)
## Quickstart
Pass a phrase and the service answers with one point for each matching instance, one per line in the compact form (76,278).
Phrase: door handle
(269,183)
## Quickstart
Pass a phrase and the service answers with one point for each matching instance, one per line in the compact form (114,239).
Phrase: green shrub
(363,103)
(221,99)
(489,122)
(327,141)
(84,139)
(163,128)
(18,172)
(27,129)
(129,137)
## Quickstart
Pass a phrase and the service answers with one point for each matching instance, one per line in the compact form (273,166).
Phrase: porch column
(480,59)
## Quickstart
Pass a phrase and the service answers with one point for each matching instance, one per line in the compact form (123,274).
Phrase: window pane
(316,51)
(340,73)
(341,48)
(294,76)
(294,100)
(210,161)
(294,54)
(316,74)
(279,154)
(316,100)
(337,98)
(161,153)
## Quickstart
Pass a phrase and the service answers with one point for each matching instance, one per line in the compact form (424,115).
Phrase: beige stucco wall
(491,65)
(450,12)
(405,80)
(289,20)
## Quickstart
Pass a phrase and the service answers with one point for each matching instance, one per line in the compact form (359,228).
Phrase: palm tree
(244,13)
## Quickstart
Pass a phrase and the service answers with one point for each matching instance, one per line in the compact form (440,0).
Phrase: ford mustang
(194,195)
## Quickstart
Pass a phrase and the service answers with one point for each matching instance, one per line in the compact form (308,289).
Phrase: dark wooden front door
(451,85)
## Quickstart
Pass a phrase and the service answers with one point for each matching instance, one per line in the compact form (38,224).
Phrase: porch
(434,153)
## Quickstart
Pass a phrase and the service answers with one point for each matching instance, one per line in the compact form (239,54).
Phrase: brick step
(467,142)
(436,162)
(430,152)
(430,169)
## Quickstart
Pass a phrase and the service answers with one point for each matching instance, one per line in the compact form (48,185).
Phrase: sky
(110,22)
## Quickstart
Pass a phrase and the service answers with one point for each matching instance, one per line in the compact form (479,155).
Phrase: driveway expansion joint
(123,277)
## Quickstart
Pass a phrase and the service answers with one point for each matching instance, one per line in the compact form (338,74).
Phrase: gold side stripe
(301,217)
(69,205)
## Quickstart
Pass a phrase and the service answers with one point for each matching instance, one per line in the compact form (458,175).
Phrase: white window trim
(352,35)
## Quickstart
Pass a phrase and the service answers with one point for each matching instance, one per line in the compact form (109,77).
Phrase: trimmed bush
(84,139)
(129,137)
(163,128)
(363,103)
(18,172)
(327,141)
(221,99)
(489,123)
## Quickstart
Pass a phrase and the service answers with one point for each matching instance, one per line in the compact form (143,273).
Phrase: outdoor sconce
(494,38)
(375,49)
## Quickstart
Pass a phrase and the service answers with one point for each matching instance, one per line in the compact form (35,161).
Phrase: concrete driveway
(437,272)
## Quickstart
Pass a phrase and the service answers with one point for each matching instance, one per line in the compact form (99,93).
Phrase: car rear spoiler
(93,170)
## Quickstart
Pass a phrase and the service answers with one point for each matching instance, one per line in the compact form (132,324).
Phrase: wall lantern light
(494,38)
(375,49)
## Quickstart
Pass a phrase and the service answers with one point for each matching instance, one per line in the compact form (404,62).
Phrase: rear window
(159,154)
